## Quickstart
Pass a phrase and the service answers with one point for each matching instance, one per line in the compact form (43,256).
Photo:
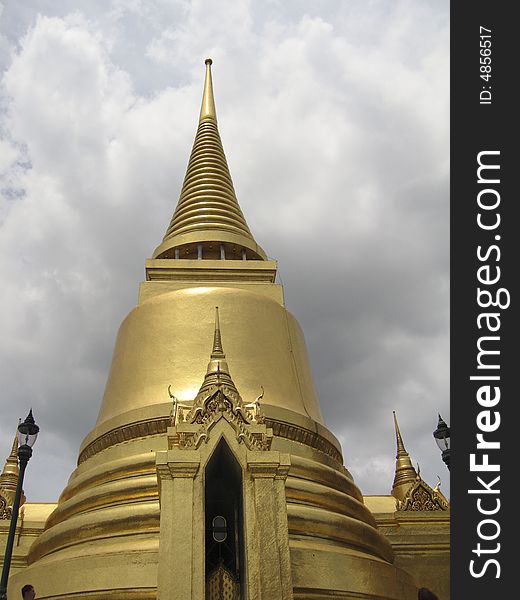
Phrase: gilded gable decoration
(218,398)
(422,497)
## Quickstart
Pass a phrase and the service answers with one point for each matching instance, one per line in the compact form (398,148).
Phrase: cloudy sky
(335,121)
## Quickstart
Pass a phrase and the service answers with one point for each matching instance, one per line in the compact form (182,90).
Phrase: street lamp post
(27,434)
(442,437)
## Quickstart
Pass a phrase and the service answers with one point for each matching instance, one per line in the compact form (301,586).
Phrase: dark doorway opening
(225,575)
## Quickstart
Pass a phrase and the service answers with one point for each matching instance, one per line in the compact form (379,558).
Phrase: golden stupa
(211,481)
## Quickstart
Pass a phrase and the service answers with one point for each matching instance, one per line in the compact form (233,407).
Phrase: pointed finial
(9,475)
(218,351)
(217,372)
(13,455)
(401,450)
(207,110)
(405,474)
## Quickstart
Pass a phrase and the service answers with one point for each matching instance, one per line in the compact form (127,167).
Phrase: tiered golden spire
(405,474)
(218,371)
(9,481)
(9,475)
(208,222)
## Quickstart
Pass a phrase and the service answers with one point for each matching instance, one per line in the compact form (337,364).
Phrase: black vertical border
(478,127)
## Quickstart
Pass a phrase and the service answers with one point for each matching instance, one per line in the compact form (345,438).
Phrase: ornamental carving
(5,511)
(422,497)
(221,585)
(161,424)
(193,422)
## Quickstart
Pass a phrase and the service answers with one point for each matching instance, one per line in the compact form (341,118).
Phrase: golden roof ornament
(217,372)
(218,398)
(9,481)
(410,490)
(217,352)
(208,222)
(405,474)
(9,476)
(421,497)
(207,110)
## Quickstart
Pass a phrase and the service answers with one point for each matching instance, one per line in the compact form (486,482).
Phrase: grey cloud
(335,123)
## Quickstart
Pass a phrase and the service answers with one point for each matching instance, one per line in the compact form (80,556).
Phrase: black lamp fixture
(27,434)
(442,437)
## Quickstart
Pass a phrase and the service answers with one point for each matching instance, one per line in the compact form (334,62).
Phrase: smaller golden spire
(217,352)
(405,474)
(218,370)
(9,477)
(207,110)
(401,450)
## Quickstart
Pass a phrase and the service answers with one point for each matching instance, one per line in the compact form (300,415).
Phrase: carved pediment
(218,398)
(5,510)
(421,497)
(194,426)
(7,501)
